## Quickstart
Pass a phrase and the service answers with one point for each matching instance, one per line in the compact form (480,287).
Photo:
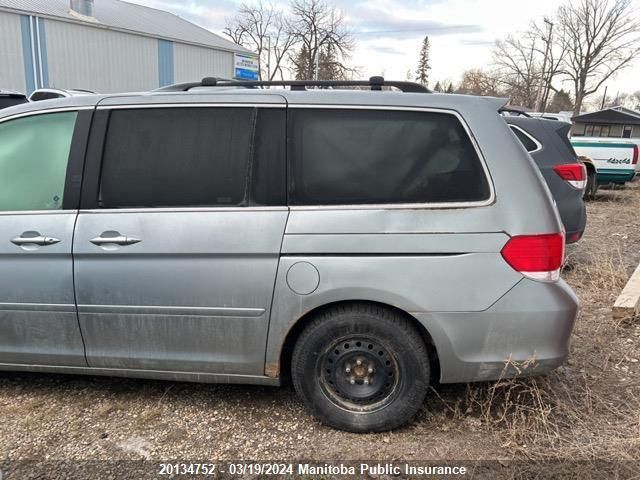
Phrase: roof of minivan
(249,95)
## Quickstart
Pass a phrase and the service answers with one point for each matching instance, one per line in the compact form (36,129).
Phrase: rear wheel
(361,368)
(592,185)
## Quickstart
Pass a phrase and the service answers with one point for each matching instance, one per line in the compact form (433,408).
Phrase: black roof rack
(374,83)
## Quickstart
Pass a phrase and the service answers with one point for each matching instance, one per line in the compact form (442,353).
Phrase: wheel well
(300,325)
(589,166)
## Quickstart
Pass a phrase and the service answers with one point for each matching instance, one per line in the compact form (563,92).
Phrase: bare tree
(553,54)
(479,82)
(321,35)
(601,37)
(528,64)
(519,67)
(262,28)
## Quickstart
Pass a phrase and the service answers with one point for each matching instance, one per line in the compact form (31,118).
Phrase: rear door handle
(34,238)
(114,238)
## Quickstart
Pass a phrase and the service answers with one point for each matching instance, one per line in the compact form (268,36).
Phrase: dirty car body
(121,269)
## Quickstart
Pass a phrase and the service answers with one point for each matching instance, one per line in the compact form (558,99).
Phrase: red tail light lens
(536,256)
(635,155)
(573,173)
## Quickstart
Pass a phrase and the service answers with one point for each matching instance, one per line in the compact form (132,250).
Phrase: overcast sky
(389,33)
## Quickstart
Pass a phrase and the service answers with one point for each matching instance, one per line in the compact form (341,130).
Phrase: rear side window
(180,157)
(10,100)
(34,153)
(344,156)
(37,96)
(526,141)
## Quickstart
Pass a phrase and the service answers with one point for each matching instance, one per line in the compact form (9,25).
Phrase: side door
(178,238)
(41,158)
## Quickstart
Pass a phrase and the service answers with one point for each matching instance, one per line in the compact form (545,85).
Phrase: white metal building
(106,46)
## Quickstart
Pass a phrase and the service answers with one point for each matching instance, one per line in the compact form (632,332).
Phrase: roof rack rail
(513,111)
(374,83)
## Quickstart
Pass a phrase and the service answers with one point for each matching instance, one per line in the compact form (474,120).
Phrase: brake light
(635,155)
(538,257)
(575,174)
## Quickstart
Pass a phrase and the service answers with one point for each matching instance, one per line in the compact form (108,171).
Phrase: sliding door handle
(114,238)
(34,238)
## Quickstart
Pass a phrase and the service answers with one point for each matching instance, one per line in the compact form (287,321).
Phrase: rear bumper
(605,176)
(526,332)
(575,227)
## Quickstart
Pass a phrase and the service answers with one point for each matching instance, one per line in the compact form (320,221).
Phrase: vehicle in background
(592,183)
(9,98)
(358,242)
(51,93)
(561,116)
(548,144)
(616,160)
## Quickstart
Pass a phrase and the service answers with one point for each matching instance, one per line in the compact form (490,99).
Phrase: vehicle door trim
(38,307)
(173,310)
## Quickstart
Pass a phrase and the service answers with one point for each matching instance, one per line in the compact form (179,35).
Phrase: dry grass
(590,408)
(587,410)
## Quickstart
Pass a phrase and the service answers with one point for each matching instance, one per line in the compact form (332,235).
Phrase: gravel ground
(587,409)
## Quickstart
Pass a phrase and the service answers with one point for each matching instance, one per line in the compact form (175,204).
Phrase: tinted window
(37,96)
(527,142)
(34,152)
(368,156)
(191,157)
(10,100)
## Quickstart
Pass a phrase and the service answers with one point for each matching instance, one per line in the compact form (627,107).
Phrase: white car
(51,93)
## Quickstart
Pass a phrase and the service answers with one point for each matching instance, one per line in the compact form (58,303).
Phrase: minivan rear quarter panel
(422,258)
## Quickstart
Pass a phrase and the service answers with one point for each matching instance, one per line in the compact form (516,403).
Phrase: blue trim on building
(34,36)
(27,53)
(43,53)
(165,62)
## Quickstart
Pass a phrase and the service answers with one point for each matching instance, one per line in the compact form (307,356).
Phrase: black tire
(592,186)
(382,392)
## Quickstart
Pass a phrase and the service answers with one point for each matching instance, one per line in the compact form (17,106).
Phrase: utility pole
(604,98)
(269,57)
(544,87)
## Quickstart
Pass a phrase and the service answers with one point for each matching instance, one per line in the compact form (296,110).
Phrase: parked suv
(547,141)
(360,242)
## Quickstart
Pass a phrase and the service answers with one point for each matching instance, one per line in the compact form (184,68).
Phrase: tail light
(575,174)
(635,155)
(538,257)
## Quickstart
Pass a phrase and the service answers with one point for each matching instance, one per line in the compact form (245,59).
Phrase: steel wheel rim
(358,373)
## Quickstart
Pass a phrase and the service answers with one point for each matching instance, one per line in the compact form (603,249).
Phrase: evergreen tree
(329,66)
(424,63)
(301,65)
(561,101)
(449,88)
(438,87)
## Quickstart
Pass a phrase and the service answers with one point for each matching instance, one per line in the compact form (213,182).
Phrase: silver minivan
(361,243)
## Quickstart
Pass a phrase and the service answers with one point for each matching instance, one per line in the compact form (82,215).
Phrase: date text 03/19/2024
(252,468)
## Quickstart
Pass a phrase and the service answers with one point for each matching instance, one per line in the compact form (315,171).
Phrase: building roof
(613,115)
(130,17)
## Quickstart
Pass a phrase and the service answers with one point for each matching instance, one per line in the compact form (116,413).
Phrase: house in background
(108,46)
(615,122)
